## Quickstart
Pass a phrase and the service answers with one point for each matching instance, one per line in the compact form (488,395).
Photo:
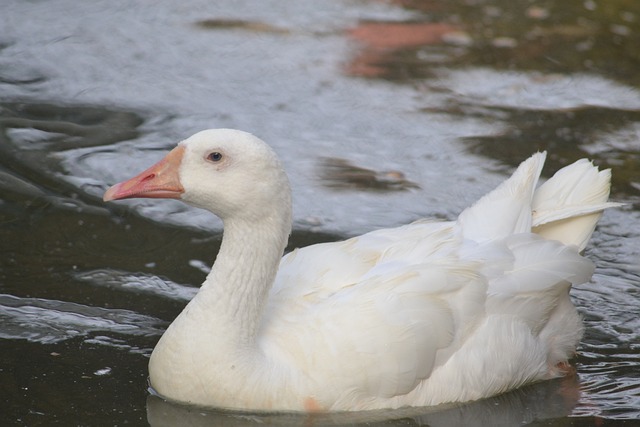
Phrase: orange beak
(159,181)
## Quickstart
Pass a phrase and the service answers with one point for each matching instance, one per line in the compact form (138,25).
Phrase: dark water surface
(383,112)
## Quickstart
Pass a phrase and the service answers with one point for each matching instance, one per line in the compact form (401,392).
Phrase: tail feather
(568,206)
(507,209)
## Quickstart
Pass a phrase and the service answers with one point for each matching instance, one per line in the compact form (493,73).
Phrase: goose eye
(214,157)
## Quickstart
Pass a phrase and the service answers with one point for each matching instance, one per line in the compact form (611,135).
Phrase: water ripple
(49,321)
(138,283)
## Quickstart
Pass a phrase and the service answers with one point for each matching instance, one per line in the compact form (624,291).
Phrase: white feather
(427,313)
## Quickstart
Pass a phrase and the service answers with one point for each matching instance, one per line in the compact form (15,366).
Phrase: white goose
(418,315)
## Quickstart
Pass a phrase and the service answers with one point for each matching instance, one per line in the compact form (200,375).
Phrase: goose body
(418,315)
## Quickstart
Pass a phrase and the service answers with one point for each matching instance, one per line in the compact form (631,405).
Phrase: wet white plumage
(422,314)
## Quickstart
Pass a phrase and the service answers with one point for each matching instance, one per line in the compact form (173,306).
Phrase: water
(383,112)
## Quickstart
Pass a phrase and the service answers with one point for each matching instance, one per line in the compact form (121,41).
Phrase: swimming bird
(418,315)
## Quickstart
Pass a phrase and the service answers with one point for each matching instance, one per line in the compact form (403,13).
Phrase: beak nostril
(148,177)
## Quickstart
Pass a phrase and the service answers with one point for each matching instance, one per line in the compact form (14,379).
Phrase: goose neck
(236,288)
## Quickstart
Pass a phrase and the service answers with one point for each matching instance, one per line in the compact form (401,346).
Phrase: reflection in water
(31,135)
(137,283)
(340,174)
(383,42)
(547,400)
(49,321)
(254,26)
(555,36)
(65,127)
(567,134)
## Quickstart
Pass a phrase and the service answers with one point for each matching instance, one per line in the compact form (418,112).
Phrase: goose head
(228,172)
